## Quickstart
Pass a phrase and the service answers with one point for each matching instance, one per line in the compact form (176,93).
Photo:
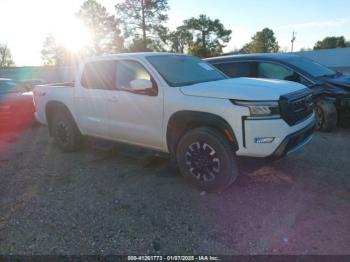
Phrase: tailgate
(39,97)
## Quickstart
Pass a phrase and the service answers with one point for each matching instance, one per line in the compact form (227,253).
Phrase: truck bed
(65,84)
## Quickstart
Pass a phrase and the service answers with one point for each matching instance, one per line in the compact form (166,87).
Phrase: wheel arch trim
(54,106)
(184,120)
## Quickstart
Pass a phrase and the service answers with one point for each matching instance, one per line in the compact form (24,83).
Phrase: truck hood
(243,89)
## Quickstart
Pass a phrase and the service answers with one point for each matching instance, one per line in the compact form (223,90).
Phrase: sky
(25,24)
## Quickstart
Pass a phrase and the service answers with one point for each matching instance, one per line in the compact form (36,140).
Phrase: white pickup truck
(180,105)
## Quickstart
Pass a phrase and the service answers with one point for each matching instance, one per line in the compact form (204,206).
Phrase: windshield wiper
(196,82)
(185,84)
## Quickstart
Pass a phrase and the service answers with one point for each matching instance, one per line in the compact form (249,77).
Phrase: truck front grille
(297,106)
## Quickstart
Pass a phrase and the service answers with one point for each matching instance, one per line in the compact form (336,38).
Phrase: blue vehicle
(331,89)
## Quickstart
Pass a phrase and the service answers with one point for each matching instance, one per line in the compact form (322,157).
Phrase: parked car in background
(331,89)
(180,105)
(16,106)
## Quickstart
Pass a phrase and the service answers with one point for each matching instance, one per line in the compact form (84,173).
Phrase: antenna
(293,40)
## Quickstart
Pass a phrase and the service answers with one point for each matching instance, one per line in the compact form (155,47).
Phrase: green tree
(53,53)
(210,36)
(143,23)
(5,56)
(331,42)
(262,42)
(180,40)
(104,29)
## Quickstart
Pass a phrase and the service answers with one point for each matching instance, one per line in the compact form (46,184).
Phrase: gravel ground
(130,202)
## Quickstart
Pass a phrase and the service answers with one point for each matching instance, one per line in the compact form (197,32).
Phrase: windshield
(311,67)
(181,70)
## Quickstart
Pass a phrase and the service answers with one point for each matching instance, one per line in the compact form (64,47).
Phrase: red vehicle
(16,106)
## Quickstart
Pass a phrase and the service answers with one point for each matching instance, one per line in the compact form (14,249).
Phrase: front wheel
(326,115)
(207,159)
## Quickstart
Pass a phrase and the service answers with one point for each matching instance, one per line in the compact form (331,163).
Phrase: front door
(136,116)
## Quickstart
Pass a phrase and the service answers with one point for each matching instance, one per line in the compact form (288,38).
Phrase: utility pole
(293,39)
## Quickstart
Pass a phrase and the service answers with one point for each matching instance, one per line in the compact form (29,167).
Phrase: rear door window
(99,75)
(236,69)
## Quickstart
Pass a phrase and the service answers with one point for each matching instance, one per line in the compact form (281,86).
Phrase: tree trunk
(204,44)
(143,23)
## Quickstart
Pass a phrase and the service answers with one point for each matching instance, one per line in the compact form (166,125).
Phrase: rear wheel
(65,132)
(207,159)
(326,115)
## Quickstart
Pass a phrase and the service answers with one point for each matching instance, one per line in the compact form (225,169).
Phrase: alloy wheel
(62,133)
(202,161)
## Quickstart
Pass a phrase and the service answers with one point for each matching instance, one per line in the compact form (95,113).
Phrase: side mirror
(140,84)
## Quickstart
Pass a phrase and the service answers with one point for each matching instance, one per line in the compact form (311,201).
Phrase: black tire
(326,115)
(207,159)
(65,132)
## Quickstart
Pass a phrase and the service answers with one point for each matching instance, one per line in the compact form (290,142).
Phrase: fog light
(264,140)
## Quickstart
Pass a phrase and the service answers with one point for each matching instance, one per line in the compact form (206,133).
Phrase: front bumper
(276,128)
(295,141)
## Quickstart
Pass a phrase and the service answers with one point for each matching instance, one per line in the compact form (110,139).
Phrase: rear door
(93,95)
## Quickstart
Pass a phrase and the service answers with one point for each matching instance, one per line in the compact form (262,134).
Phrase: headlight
(261,109)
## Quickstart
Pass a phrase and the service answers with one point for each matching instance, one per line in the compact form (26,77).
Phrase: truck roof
(130,55)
